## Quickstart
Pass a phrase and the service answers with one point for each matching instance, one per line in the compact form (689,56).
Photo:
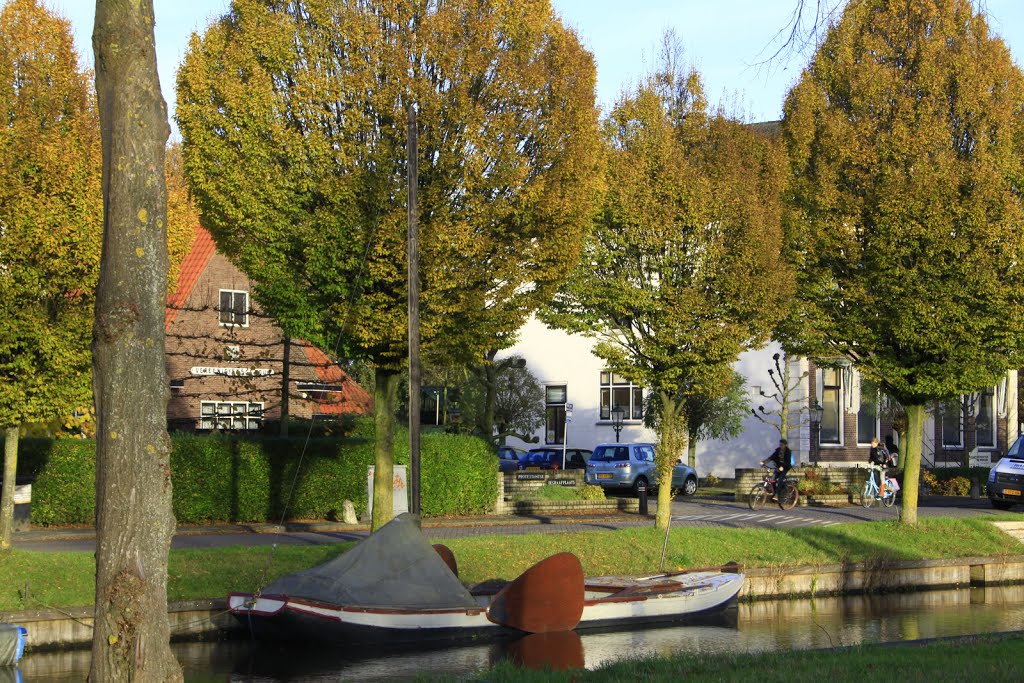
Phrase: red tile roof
(351,399)
(192,267)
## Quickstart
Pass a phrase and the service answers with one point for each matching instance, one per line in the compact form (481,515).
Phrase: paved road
(686,512)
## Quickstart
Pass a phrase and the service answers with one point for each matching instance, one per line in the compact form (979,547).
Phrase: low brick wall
(517,484)
(850,478)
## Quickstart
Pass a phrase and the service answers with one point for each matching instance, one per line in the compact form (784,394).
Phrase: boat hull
(609,604)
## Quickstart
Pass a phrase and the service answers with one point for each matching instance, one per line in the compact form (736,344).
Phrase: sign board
(562,482)
(568,409)
(524,476)
(22,494)
(399,491)
(230,372)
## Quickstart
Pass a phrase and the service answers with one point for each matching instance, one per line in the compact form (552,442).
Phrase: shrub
(813,483)
(222,477)
(556,492)
(947,482)
(591,492)
(712,480)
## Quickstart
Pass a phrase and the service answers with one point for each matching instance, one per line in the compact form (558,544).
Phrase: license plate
(1010,492)
(604,476)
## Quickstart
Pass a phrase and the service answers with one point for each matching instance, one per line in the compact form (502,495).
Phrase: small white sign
(231,372)
(568,407)
(22,494)
(568,419)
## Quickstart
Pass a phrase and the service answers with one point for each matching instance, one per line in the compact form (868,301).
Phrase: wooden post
(414,320)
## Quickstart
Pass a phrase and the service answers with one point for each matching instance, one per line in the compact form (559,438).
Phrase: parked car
(684,479)
(550,458)
(509,457)
(622,465)
(1006,478)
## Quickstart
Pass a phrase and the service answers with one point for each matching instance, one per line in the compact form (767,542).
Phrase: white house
(580,392)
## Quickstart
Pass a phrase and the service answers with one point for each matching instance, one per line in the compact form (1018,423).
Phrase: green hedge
(239,479)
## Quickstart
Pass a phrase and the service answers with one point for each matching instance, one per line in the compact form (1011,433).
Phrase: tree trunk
(134,519)
(691,450)
(490,377)
(385,405)
(671,443)
(7,494)
(286,367)
(911,456)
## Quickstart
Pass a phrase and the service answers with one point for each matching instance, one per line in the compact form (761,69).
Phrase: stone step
(1015,529)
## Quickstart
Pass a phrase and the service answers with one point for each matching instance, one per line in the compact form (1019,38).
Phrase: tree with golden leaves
(294,117)
(50,220)
(683,270)
(906,135)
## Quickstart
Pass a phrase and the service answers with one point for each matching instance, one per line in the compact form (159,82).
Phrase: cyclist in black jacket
(782,460)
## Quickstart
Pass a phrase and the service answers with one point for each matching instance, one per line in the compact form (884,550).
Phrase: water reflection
(750,627)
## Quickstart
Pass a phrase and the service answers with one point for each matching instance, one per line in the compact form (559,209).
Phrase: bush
(591,492)
(555,492)
(949,481)
(223,477)
(712,480)
(813,483)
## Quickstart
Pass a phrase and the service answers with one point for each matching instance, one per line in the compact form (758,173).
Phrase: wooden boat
(394,586)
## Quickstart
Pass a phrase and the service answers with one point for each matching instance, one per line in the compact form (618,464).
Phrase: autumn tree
(906,135)
(50,220)
(682,272)
(294,116)
(134,520)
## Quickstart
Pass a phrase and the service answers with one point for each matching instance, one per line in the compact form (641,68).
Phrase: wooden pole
(414,321)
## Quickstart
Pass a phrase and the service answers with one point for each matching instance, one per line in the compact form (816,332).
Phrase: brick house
(226,359)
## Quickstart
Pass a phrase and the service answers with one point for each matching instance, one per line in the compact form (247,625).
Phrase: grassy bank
(993,660)
(35,579)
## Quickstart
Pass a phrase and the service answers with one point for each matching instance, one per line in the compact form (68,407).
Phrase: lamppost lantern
(816,413)
(618,415)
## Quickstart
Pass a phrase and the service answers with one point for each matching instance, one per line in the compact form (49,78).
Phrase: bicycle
(762,492)
(871,492)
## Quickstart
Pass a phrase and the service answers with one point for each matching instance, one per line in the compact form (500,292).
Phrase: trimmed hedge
(224,478)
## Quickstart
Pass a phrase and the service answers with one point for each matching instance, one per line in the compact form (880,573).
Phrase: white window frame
(942,428)
(551,436)
(994,431)
(878,415)
(608,382)
(232,316)
(233,415)
(840,403)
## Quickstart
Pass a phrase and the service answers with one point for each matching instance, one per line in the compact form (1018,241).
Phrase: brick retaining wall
(850,478)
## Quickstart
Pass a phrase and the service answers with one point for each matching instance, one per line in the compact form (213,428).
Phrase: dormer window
(234,308)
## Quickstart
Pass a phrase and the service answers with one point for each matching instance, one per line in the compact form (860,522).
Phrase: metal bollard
(642,493)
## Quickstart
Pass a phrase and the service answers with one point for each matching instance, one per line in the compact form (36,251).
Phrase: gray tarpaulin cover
(394,567)
(9,636)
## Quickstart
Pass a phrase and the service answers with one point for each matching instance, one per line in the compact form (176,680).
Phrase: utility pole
(414,319)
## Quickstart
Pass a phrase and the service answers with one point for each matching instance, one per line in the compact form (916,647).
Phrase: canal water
(749,627)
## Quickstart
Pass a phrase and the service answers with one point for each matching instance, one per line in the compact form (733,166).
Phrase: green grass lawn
(37,579)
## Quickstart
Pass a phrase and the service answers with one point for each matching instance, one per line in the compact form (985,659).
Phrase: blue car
(684,479)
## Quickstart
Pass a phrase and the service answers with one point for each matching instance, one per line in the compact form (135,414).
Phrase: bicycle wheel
(867,496)
(758,496)
(788,496)
(888,496)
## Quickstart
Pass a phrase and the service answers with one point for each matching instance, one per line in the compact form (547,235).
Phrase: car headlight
(992,475)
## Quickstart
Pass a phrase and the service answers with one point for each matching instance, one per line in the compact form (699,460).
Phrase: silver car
(622,465)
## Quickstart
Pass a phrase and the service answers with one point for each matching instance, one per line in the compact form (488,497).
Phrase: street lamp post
(618,415)
(816,413)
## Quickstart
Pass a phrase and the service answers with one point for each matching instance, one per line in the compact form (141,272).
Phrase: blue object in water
(12,643)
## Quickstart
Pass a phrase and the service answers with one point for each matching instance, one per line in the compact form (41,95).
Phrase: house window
(234,308)
(616,390)
(952,424)
(230,415)
(867,416)
(831,395)
(554,413)
(984,424)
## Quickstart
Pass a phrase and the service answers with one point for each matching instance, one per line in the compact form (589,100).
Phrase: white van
(1006,480)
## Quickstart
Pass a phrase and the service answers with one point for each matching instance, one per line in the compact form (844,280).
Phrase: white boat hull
(608,602)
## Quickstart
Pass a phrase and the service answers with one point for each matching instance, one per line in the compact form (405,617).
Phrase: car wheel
(640,481)
(690,487)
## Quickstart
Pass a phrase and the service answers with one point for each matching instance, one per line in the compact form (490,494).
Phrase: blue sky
(726,40)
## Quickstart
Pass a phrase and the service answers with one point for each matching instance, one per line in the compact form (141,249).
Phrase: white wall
(555,357)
